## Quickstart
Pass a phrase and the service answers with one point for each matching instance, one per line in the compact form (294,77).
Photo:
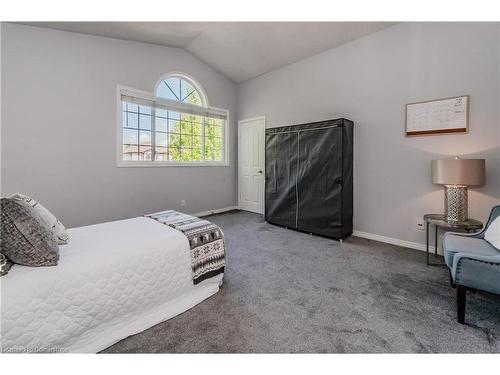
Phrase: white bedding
(113,280)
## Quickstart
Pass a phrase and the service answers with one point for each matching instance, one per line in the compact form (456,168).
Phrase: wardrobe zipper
(296,183)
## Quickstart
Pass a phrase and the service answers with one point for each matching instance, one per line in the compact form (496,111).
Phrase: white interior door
(251,140)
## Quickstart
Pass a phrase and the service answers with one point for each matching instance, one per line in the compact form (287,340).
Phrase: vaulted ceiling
(239,50)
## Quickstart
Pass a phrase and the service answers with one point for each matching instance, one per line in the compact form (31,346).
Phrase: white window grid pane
(210,144)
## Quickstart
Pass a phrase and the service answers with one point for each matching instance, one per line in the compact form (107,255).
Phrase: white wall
(59,127)
(369,81)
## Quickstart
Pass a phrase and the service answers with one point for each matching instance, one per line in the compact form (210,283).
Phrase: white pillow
(492,234)
(57,229)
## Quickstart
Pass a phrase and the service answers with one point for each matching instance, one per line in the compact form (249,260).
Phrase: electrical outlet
(183,203)
(419,224)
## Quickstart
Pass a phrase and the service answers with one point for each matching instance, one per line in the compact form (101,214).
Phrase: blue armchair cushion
(453,244)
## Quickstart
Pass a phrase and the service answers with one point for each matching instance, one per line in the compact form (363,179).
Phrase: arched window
(173,126)
(181,88)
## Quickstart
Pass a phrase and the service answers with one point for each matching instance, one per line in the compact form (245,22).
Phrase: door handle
(260,171)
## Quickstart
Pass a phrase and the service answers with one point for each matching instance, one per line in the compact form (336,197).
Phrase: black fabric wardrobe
(309,177)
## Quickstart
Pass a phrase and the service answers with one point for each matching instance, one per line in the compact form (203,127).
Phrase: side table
(438,220)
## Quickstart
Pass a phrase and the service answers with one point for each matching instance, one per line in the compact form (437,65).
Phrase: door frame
(241,123)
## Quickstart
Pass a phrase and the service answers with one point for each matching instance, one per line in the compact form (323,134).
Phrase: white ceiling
(239,50)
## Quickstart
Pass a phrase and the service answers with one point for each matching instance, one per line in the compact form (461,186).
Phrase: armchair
(473,262)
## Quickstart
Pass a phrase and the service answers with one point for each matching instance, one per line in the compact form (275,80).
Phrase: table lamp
(457,175)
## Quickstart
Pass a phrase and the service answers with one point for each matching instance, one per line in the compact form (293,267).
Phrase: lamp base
(455,203)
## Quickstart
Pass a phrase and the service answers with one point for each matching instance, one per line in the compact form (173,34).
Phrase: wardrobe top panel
(340,122)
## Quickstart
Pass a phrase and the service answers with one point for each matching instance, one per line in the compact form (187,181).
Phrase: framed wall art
(442,116)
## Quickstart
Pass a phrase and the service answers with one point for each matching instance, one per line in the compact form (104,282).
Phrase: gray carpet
(286,291)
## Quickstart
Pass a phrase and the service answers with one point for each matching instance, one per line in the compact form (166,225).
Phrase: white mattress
(113,280)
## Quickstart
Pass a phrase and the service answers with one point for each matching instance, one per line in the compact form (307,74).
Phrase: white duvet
(113,280)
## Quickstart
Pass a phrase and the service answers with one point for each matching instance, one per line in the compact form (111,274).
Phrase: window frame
(120,89)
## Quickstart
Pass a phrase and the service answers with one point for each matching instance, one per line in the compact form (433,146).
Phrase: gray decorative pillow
(26,239)
(58,230)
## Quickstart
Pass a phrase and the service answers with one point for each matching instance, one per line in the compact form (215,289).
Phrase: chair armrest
(477,272)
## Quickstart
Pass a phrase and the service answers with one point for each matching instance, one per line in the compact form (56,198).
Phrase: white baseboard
(356,233)
(216,211)
(392,241)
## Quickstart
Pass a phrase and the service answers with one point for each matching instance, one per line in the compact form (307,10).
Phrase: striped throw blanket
(206,241)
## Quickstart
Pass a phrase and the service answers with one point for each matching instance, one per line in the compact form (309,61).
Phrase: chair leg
(451,280)
(461,301)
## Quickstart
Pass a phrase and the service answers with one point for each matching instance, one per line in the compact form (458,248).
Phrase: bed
(113,280)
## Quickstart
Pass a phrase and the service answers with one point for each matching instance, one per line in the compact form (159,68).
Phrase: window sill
(170,164)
